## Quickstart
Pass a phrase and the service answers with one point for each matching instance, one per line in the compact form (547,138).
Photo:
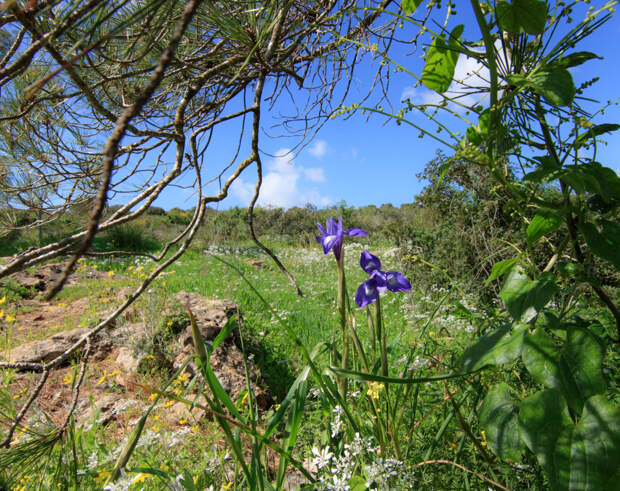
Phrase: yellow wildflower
(156,429)
(9,318)
(454,446)
(227,486)
(102,379)
(2,300)
(105,300)
(140,478)
(102,476)
(1,313)
(169,324)
(169,404)
(130,268)
(153,396)
(110,274)
(68,379)
(374,388)
(182,421)
(484,442)
(55,326)
(163,283)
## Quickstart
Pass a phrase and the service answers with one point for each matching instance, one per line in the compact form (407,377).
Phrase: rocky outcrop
(46,350)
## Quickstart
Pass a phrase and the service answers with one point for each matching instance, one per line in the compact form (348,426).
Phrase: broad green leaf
(410,6)
(542,418)
(606,243)
(543,223)
(573,368)
(495,348)
(524,297)
(541,357)
(499,418)
(357,483)
(441,59)
(581,367)
(595,131)
(588,455)
(593,178)
(501,268)
(555,85)
(522,16)
(574,59)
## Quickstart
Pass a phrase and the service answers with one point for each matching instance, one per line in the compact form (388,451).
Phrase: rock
(105,410)
(42,278)
(126,360)
(47,349)
(211,314)
(180,411)
(227,364)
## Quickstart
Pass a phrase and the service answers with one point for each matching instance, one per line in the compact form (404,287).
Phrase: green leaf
(543,223)
(441,59)
(574,368)
(499,418)
(522,16)
(524,297)
(555,85)
(541,357)
(495,348)
(501,268)
(593,178)
(357,483)
(542,418)
(595,131)
(606,243)
(574,59)
(410,6)
(588,455)
(581,367)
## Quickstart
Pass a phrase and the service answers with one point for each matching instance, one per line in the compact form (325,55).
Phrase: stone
(47,349)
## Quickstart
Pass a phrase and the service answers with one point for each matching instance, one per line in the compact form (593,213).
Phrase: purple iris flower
(379,281)
(332,236)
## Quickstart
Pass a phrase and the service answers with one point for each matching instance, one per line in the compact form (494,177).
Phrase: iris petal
(396,282)
(369,262)
(366,293)
(355,232)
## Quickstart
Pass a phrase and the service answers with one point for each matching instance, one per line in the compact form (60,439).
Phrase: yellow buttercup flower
(374,388)
(2,300)
(102,476)
(140,478)
(484,442)
(110,273)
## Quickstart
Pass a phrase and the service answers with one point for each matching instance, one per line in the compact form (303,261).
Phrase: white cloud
(314,174)
(318,149)
(285,184)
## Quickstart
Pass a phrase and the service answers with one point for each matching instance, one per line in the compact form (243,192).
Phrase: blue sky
(367,161)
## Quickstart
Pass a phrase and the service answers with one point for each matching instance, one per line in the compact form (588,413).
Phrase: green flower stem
(371,329)
(342,292)
(380,335)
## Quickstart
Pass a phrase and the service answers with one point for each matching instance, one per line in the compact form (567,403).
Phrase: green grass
(432,326)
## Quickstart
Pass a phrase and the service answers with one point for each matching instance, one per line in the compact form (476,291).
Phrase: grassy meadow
(427,330)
